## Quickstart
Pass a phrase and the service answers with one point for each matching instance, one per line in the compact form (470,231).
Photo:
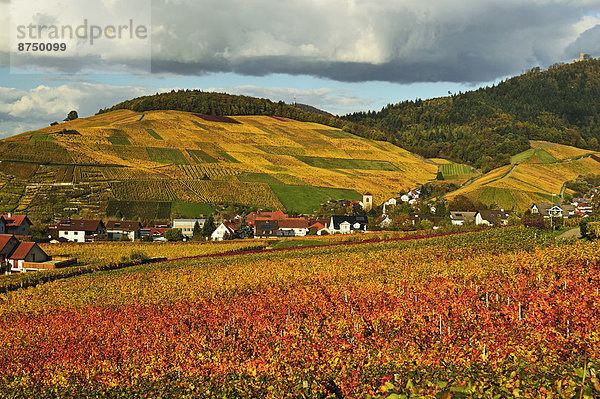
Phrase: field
(135,154)
(455,171)
(499,313)
(534,176)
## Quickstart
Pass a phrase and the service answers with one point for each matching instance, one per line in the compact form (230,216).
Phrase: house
(320,228)
(492,217)
(348,224)
(548,210)
(24,255)
(116,229)
(18,225)
(225,230)
(79,230)
(8,244)
(155,233)
(276,215)
(583,207)
(416,218)
(385,222)
(460,218)
(388,203)
(264,228)
(292,227)
(187,225)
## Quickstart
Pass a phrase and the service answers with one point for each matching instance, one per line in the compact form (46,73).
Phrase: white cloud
(22,110)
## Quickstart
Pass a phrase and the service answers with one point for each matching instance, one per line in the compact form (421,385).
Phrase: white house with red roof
(19,225)
(225,230)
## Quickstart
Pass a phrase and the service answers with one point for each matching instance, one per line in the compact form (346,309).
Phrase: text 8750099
(42,46)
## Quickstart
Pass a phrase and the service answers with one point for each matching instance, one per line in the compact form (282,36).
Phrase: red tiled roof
(4,239)
(318,225)
(152,231)
(266,215)
(14,220)
(22,250)
(293,223)
(122,225)
(232,226)
(78,225)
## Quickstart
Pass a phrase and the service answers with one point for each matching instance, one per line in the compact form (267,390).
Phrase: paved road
(573,233)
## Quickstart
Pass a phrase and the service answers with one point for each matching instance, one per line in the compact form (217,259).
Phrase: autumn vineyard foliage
(499,313)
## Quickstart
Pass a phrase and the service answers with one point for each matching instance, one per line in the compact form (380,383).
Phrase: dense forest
(221,104)
(485,127)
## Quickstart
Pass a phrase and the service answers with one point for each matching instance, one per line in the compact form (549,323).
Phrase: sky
(338,55)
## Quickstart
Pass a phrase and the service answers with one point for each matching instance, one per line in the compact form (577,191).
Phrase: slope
(156,161)
(535,176)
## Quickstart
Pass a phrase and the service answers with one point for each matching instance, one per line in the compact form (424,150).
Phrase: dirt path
(569,234)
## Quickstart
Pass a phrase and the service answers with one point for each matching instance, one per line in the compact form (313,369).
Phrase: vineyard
(534,176)
(499,313)
(136,152)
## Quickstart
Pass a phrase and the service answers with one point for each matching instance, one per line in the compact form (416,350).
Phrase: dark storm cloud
(468,41)
(349,40)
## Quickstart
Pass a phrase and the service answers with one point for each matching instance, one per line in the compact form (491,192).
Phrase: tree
(71,116)
(426,224)
(39,232)
(174,235)
(119,215)
(209,226)
(197,232)
(244,231)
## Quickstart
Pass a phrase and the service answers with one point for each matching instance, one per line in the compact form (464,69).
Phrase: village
(19,254)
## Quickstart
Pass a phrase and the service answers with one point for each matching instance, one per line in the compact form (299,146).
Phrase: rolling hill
(534,176)
(158,163)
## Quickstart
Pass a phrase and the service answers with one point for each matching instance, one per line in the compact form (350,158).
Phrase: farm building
(116,229)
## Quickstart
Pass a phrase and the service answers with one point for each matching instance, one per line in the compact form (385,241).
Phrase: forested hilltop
(485,127)
(221,104)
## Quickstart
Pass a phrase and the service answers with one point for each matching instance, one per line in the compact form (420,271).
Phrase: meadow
(498,313)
